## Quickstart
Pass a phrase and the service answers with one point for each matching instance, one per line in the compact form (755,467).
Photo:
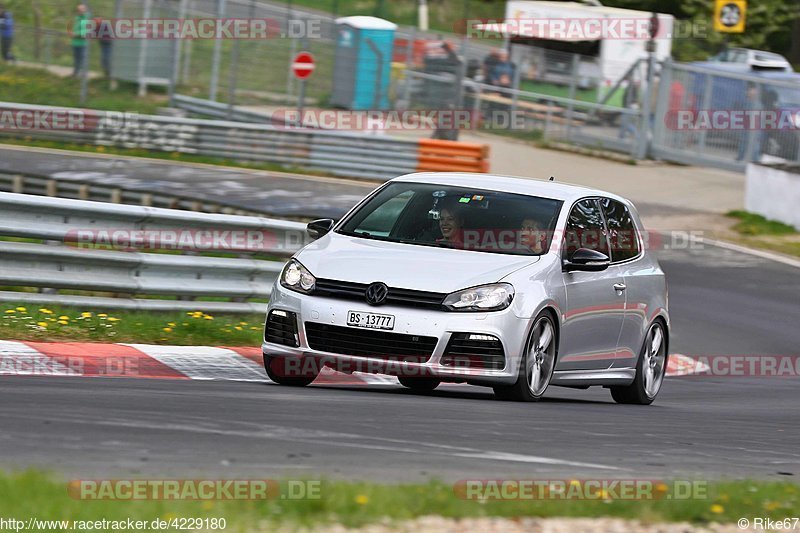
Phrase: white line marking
(205,362)
(19,359)
(745,250)
(684,365)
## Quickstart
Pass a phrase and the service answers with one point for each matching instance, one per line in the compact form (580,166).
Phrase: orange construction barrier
(452,156)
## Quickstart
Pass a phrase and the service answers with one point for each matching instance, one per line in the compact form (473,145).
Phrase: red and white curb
(243,363)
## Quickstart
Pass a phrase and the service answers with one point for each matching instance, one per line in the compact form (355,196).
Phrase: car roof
(511,184)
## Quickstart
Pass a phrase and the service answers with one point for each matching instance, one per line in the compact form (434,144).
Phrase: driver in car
(533,235)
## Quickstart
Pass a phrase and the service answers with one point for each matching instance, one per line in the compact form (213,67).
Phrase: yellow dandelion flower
(362,499)
(42,324)
(45,311)
(168,330)
(208,317)
(102,315)
(242,323)
(717,509)
(10,311)
(237,328)
(63,322)
(86,314)
(63,317)
(21,309)
(113,319)
(171,324)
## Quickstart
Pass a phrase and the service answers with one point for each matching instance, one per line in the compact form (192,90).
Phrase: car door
(637,273)
(595,308)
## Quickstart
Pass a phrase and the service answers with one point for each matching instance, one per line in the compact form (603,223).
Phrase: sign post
(302,67)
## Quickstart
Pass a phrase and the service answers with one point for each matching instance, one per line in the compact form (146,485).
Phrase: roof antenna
(552,178)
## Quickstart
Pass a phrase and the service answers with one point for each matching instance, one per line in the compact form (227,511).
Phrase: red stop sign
(303,65)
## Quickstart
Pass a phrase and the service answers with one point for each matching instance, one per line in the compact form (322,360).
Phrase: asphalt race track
(278,194)
(721,301)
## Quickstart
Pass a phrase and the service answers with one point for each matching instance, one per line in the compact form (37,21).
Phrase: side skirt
(588,378)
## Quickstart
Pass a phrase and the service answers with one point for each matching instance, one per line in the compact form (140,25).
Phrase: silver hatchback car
(511,283)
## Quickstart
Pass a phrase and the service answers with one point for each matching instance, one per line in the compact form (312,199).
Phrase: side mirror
(587,260)
(318,228)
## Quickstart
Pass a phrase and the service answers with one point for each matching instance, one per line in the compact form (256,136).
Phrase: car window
(382,219)
(585,229)
(622,234)
(451,216)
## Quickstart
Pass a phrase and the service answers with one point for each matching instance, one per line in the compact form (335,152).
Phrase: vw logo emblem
(376,293)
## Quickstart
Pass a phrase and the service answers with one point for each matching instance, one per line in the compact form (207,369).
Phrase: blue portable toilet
(362,63)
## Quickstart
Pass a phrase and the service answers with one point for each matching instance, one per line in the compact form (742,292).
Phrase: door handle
(620,287)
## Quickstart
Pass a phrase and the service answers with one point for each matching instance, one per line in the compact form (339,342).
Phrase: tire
(273,364)
(650,369)
(536,367)
(419,384)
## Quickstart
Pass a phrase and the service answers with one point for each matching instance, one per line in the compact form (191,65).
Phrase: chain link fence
(521,90)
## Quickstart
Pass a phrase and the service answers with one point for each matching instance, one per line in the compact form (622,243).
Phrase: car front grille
(281,328)
(356,291)
(369,343)
(473,350)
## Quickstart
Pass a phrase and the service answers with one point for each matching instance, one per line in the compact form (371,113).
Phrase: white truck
(609,41)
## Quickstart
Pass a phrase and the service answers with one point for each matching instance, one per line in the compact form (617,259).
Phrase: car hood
(406,266)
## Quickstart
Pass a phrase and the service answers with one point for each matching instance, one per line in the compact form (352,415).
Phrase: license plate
(369,320)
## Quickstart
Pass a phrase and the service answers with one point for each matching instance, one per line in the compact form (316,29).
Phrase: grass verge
(758,232)
(28,85)
(29,322)
(36,494)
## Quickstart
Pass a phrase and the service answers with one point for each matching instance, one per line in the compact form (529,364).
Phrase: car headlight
(296,277)
(492,297)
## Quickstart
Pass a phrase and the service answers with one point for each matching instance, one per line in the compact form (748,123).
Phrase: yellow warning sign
(729,15)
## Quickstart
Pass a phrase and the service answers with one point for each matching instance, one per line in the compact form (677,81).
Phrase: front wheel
(650,370)
(289,371)
(536,368)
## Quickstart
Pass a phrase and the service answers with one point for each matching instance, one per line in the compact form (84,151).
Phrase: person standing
(6,33)
(105,40)
(78,34)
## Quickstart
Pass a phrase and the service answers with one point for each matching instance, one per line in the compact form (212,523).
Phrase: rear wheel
(419,384)
(289,371)
(650,370)
(536,368)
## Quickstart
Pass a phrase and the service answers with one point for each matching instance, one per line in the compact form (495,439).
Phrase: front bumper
(508,328)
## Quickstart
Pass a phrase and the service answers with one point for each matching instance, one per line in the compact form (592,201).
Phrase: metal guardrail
(339,153)
(136,279)
(97,192)
(218,110)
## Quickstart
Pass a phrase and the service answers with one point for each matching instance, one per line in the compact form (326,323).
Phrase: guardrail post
(51,188)
(573,87)
(18,184)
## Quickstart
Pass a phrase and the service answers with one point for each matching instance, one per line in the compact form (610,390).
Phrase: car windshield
(456,217)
